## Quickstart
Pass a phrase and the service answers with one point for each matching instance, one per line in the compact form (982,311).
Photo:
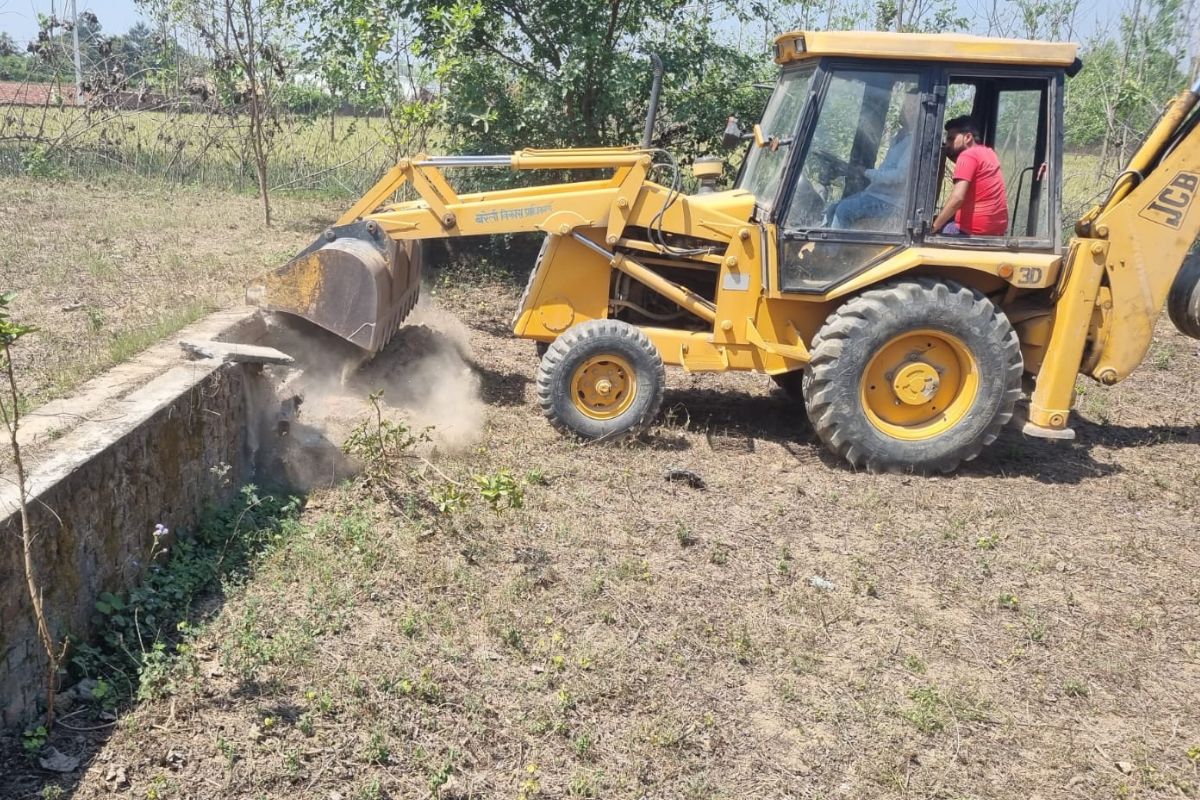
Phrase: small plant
(1193,752)
(1035,629)
(684,535)
(634,569)
(743,647)
(371,790)
(1008,601)
(512,638)
(440,776)
(52,791)
(926,712)
(11,408)
(34,739)
(719,555)
(1162,357)
(377,750)
(531,786)
(536,477)
(582,785)
(379,443)
(582,745)
(914,664)
(410,625)
(448,498)
(41,162)
(500,490)
(227,749)
(1075,688)
(987,542)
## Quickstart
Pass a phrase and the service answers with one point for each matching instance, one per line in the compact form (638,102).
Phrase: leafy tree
(1126,81)
(500,76)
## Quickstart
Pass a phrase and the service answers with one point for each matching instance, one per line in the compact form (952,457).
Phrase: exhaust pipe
(652,112)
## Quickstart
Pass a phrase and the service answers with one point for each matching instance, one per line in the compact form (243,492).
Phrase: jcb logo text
(1172,203)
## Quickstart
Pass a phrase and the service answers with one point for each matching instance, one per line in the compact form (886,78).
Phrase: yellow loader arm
(362,276)
(1125,259)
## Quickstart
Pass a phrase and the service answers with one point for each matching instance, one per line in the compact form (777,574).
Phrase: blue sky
(19,17)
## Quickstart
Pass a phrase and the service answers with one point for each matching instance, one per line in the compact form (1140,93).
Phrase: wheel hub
(603,387)
(919,384)
(916,383)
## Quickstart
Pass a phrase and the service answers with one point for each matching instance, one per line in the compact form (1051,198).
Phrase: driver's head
(961,133)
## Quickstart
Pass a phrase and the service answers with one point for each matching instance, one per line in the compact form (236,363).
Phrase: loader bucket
(355,282)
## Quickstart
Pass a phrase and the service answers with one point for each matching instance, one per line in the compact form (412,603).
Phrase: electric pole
(75,36)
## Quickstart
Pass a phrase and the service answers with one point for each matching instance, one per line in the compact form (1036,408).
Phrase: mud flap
(355,281)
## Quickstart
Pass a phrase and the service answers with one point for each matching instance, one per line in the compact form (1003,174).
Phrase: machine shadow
(734,420)
(501,388)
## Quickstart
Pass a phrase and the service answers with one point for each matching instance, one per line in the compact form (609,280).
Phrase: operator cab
(848,161)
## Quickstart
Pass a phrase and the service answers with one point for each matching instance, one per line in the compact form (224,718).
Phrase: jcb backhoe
(909,347)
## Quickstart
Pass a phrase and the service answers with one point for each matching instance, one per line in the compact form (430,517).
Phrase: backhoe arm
(361,277)
(1122,264)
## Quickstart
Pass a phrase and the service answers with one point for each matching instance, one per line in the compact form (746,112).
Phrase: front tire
(601,380)
(918,375)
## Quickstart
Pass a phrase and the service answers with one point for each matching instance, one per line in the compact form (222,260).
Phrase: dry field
(106,268)
(1027,628)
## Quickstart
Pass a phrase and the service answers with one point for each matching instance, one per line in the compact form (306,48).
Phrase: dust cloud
(425,375)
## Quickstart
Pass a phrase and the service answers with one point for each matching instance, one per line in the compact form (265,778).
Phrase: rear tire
(918,375)
(1183,301)
(601,380)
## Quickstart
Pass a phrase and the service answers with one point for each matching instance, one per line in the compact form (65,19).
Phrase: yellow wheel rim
(920,385)
(603,387)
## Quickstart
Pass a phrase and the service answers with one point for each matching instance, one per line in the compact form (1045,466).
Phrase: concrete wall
(142,459)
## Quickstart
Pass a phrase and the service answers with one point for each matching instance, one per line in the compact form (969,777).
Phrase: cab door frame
(927,75)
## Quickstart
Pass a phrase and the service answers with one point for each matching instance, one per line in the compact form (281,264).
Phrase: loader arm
(361,277)
(1121,265)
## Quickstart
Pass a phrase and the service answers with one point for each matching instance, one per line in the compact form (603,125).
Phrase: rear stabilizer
(355,281)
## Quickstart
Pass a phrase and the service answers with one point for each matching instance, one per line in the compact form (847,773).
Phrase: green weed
(34,739)
(1008,601)
(500,490)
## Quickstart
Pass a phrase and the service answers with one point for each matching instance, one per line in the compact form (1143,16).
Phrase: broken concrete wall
(161,454)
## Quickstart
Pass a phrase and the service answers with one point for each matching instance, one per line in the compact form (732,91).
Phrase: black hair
(964,124)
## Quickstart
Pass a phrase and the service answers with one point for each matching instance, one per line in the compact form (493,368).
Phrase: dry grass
(104,268)
(1026,628)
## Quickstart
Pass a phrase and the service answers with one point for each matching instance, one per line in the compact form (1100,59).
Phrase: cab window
(858,167)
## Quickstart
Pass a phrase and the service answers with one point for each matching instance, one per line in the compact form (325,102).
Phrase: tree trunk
(53,654)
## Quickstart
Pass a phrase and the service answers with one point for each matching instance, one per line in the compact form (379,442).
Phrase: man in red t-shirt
(978,203)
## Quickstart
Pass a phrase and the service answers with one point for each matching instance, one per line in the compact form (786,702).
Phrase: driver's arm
(953,203)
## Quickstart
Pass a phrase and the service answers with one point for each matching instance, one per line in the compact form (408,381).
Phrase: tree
(1126,81)
(244,39)
(11,332)
(539,73)
(13,66)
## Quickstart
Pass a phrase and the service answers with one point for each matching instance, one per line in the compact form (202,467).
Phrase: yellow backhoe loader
(909,347)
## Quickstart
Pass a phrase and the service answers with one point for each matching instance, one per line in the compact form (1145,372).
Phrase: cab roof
(802,45)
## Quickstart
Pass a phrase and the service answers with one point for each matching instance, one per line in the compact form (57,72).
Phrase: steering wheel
(829,167)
